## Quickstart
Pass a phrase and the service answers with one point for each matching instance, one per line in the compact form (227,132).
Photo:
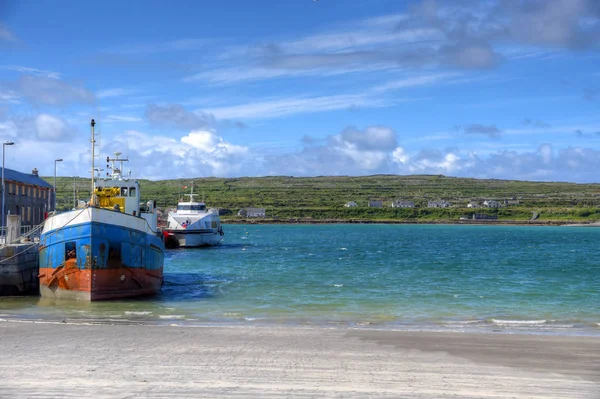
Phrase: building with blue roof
(27,195)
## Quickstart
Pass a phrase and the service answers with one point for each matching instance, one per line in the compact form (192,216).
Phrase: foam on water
(518,322)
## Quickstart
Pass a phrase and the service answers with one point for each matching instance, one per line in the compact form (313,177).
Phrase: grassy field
(323,197)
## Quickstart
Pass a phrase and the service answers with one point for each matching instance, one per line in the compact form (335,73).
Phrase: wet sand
(135,361)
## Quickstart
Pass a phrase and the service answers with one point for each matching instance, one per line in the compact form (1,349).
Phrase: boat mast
(93,198)
(191,195)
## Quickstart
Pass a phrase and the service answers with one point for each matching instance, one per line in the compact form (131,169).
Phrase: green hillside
(323,197)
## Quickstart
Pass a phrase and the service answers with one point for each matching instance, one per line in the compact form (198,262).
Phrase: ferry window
(214,224)
(132,191)
(124,191)
(70,252)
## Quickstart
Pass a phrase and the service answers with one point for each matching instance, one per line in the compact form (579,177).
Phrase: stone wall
(19,269)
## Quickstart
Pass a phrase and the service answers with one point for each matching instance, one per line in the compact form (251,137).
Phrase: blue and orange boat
(109,249)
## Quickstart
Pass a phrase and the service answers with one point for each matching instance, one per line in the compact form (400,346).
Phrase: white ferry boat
(193,225)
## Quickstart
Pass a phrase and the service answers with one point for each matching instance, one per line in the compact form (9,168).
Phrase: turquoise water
(432,277)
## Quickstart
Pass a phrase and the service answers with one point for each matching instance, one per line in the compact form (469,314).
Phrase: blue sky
(484,89)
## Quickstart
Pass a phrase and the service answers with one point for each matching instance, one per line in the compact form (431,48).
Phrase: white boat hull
(191,239)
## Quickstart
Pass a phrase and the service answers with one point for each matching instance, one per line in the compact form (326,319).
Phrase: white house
(403,204)
(491,204)
(350,204)
(438,204)
(472,204)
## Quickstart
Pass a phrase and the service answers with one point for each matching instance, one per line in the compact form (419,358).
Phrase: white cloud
(121,118)
(412,81)
(199,153)
(400,156)
(115,92)
(33,71)
(54,92)
(209,143)
(295,105)
(44,128)
(6,35)
(50,128)
(9,97)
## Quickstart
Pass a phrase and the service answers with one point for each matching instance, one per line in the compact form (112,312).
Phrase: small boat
(193,225)
(109,249)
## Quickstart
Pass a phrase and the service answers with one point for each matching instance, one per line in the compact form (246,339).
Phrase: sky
(183,89)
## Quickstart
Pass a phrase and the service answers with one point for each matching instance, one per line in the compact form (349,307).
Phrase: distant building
(376,204)
(403,204)
(511,202)
(491,204)
(438,204)
(27,195)
(473,204)
(350,204)
(252,212)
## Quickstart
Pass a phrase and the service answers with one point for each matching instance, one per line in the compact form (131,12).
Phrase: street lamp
(3,208)
(55,161)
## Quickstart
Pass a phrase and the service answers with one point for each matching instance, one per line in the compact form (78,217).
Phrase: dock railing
(28,233)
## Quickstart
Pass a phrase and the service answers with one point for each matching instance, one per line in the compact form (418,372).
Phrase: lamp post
(55,161)
(3,207)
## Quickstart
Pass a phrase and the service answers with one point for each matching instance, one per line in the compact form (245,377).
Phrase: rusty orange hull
(70,282)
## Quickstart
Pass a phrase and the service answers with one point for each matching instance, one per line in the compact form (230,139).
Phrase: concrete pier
(19,269)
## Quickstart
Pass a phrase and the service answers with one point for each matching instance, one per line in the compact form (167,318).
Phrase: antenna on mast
(117,171)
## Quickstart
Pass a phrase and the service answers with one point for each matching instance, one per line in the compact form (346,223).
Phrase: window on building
(132,191)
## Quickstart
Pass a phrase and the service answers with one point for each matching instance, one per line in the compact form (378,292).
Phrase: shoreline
(108,361)
(482,222)
(475,327)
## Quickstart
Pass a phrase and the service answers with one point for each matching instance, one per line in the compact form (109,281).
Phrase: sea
(471,278)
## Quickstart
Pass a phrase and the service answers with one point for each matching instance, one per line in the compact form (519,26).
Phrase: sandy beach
(135,361)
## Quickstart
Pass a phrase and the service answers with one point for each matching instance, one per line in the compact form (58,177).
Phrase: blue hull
(94,260)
